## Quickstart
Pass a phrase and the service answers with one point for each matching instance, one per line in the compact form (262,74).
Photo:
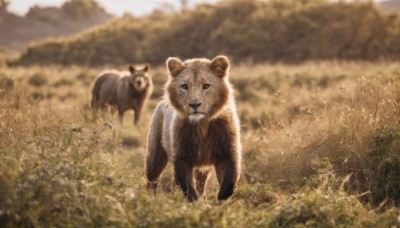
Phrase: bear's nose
(194,105)
(139,82)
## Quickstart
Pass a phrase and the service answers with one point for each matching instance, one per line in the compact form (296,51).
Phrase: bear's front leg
(136,115)
(184,178)
(228,175)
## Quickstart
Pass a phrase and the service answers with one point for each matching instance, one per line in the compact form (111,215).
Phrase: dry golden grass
(315,136)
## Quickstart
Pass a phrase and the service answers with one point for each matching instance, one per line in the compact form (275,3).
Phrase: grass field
(321,148)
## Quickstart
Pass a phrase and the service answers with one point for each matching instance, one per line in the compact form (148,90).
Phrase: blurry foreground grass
(321,148)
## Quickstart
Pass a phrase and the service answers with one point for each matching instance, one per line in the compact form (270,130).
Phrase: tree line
(245,30)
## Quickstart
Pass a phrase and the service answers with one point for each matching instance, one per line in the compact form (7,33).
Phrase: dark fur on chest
(135,97)
(204,145)
(136,94)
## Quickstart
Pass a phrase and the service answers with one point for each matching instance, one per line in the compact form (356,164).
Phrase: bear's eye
(206,86)
(184,87)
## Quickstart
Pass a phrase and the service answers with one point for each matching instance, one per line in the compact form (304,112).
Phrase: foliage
(321,209)
(384,160)
(37,80)
(244,30)
(80,9)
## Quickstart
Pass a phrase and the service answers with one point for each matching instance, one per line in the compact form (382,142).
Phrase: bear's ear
(132,69)
(175,66)
(220,66)
(146,68)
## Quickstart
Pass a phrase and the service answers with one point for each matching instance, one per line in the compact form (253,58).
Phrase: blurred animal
(123,90)
(196,127)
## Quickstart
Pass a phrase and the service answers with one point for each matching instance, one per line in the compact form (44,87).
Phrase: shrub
(80,9)
(37,80)
(256,194)
(384,165)
(245,30)
(316,208)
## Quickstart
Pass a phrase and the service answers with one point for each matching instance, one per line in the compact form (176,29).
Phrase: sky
(116,7)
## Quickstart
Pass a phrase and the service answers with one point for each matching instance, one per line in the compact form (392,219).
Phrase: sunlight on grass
(320,148)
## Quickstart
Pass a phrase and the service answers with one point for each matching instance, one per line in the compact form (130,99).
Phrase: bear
(196,128)
(123,90)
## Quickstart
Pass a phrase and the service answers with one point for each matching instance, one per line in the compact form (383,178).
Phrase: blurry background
(132,31)
(118,7)
(43,18)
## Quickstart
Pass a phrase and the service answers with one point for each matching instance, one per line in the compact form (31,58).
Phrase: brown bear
(196,127)
(124,90)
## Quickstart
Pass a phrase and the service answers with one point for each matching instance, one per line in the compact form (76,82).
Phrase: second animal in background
(123,90)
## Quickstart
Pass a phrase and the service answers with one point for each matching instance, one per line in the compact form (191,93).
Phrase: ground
(320,148)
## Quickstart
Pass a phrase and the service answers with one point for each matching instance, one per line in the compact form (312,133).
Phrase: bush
(80,9)
(317,208)
(384,165)
(38,80)
(51,186)
(245,30)
(256,194)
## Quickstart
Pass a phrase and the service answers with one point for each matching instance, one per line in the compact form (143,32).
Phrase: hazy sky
(117,7)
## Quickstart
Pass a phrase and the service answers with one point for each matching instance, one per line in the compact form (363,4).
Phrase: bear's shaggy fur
(196,127)
(124,90)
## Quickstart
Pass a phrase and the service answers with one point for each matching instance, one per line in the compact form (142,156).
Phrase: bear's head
(198,88)
(140,78)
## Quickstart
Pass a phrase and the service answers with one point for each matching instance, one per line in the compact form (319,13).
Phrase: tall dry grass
(320,141)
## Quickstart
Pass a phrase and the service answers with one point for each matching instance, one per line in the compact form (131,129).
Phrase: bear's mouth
(197,113)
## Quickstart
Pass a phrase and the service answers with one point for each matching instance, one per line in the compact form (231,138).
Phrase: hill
(244,30)
(74,16)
